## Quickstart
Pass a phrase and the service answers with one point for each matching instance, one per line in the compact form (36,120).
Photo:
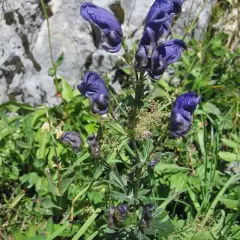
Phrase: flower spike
(106,21)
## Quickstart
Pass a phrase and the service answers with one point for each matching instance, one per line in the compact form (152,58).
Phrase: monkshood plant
(130,209)
(125,145)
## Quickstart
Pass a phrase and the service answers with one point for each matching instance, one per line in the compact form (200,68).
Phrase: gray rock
(190,10)
(24,49)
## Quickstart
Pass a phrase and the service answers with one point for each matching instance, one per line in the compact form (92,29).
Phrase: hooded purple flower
(182,111)
(147,214)
(160,16)
(147,44)
(109,25)
(164,55)
(93,144)
(158,28)
(73,139)
(95,89)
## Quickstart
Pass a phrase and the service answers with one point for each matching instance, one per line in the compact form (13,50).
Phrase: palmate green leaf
(111,158)
(147,150)
(116,180)
(228,156)
(120,196)
(160,228)
(118,129)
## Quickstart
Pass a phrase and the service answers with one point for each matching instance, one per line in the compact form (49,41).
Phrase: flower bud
(147,214)
(93,144)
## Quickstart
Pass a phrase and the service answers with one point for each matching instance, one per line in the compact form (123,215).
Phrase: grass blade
(85,226)
(59,231)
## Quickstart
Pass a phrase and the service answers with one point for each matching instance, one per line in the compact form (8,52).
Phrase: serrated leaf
(116,127)
(228,156)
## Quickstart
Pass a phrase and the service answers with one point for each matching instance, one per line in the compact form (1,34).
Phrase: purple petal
(106,21)
(100,104)
(146,46)
(177,6)
(181,116)
(164,55)
(95,89)
(158,9)
(73,139)
(93,143)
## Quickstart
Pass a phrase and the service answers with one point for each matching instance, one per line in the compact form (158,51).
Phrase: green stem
(136,107)
(50,45)
(56,155)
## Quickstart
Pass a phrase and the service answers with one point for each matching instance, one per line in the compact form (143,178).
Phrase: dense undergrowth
(48,191)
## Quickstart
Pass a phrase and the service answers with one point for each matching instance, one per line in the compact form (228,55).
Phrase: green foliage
(49,192)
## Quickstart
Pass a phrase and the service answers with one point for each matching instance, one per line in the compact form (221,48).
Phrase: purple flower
(177,6)
(121,212)
(158,28)
(95,89)
(146,45)
(160,16)
(93,143)
(153,163)
(73,139)
(109,25)
(147,214)
(182,111)
(164,55)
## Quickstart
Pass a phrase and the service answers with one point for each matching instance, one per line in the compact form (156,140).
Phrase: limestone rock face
(24,48)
